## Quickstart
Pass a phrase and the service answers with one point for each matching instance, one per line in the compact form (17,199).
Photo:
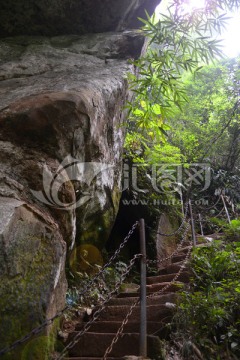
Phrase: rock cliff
(61,134)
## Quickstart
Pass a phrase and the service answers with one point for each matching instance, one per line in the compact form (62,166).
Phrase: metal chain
(175,252)
(120,330)
(101,308)
(215,216)
(35,331)
(60,313)
(182,267)
(213,206)
(88,286)
(180,227)
(137,301)
(112,258)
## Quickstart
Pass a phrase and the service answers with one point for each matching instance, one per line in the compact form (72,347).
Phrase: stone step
(153,327)
(94,345)
(183,277)
(176,286)
(173,287)
(118,312)
(179,257)
(128,295)
(172,268)
(160,299)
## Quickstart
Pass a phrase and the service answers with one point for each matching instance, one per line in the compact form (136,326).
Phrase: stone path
(93,344)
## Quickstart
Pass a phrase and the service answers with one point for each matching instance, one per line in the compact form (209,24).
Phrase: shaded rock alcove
(32,17)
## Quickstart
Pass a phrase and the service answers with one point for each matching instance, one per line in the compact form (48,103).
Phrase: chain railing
(101,308)
(184,225)
(120,330)
(137,302)
(165,288)
(175,252)
(112,258)
(181,269)
(46,323)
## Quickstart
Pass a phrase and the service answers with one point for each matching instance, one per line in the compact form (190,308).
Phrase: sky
(230,37)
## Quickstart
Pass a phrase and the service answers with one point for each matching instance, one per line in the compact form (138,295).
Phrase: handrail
(192,224)
(143,291)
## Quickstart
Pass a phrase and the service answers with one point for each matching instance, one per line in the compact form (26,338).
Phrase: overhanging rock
(58,17)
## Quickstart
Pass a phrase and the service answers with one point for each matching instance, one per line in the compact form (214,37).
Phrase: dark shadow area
(130,211)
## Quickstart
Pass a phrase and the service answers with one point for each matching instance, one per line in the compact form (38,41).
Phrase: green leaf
(156,109)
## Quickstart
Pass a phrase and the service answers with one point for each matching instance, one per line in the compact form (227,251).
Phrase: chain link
(34,332)
(120,330)
(137,301)
(87,326)
(112,258)
(101,308)
(213,206)
(182,267)
(60,313)
(175,252)
(215,216)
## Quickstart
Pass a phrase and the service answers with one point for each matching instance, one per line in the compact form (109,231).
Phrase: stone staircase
(160,307)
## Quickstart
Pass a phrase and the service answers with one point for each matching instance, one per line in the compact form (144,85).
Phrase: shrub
(209,314)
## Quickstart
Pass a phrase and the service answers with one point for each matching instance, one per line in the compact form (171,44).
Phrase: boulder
(62,112)
(61,136)
(32,269)
(166,245)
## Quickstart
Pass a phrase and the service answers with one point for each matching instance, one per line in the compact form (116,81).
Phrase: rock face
(165,245)
(32,268)
(62,103)
(61,136)
(61,17)
(62,100)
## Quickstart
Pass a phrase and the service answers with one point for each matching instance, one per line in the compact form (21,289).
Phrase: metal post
(200,222)
(143,292)
(226,210)
(181,198)
(192,224)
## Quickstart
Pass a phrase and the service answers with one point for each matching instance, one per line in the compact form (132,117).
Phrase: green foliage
(209,314)
(98,292)
(232,230)
(207,127)
(179,43)
(226,182)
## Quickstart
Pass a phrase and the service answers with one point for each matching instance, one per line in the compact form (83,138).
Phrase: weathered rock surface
(32,268)
(61,99)
(57,17)
(166,245)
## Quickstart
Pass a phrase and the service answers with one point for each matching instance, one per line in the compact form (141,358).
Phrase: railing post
(143,292)
(200,222)
(226,209)
(192,224)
